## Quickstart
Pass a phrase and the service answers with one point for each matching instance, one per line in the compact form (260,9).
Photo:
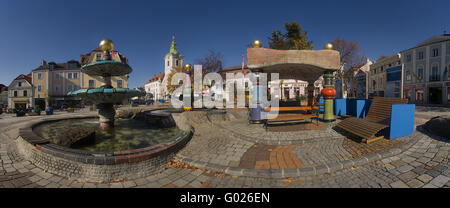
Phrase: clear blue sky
(60,30)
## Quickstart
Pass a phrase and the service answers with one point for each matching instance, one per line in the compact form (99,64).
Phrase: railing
(434,78)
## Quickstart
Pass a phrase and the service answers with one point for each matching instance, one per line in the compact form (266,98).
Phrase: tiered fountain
(106,96)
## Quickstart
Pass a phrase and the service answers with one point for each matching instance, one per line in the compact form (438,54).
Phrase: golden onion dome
(257,44)
(328,46)
(106,45)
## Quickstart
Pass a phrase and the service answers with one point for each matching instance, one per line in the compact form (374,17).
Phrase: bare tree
(350,59)
(212,62)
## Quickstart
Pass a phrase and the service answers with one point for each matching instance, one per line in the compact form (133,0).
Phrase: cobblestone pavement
(424,164)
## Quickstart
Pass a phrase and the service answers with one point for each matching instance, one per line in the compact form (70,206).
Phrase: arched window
(177,63)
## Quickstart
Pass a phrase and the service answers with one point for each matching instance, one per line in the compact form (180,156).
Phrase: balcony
(434,79)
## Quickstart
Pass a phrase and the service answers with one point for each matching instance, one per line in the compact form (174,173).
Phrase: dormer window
(51,66)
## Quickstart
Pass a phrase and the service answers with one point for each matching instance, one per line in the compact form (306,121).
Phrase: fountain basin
(106,95)
(110,68)
(96,165)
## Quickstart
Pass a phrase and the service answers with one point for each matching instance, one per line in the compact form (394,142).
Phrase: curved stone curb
(276,142)
(307,171)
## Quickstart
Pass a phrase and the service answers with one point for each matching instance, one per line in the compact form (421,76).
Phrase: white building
(153,87)
(426,71)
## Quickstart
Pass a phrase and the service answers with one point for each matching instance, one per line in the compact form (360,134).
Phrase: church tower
(172,60)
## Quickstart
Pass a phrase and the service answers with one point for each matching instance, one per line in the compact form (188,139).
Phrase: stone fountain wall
(93,167)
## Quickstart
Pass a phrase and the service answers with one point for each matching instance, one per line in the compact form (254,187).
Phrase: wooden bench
(290,118)
(377,119)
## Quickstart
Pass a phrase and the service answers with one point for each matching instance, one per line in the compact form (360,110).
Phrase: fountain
(106,96)
(135,142)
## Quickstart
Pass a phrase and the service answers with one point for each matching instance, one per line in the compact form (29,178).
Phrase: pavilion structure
(307,65)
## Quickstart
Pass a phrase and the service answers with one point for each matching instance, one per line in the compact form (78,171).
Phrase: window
(19,84)
(52,66)
(39,88)
(91,83)
(119,84)
(15,93)
(98,56)
(408,75)
(420,55)
(420,72)
(382,68)
(434,73)
(177,63)
(435,52)
(408,58)
(25,93)
(39,76)
(75,75)
(56,88)
(57,76)
(69,76)
(448,50)
(168,63)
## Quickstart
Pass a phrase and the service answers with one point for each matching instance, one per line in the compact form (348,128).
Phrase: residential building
(20,93)
(3,96)
(53,81)
(154,87)
(358,78)
(426,71)
(378,77)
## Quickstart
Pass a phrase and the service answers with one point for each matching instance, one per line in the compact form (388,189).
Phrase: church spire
(173,47)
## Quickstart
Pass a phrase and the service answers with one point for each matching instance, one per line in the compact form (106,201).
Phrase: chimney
(44,63)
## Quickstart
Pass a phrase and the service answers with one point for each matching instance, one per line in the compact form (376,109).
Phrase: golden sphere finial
(188,67)
(328,46)
(106,45)
(257,44)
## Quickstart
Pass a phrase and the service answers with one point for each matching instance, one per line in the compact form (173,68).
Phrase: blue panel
(402,120)
(321,108)
(394,69)
(351,107)
(340,107)
(362,108)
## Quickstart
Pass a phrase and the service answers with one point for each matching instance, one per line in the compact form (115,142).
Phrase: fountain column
(106,114)
(328,94)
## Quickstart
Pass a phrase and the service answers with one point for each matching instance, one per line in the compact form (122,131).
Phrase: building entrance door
(20,106)
(435,95)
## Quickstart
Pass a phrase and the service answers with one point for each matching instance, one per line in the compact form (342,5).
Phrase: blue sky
(60,30)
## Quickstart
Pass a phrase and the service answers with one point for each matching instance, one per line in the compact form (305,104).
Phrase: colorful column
(328,93)
(187,92)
